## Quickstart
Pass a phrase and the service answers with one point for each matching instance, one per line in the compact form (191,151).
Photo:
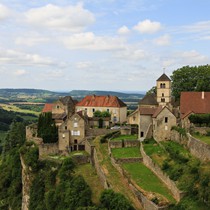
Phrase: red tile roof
(196,102)
(47,108)
(101,101)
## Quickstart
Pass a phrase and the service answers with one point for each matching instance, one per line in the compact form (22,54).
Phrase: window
(93,110)
(63,136)
(162,85)
(65,127)
(162,99)
(115,119)
(166,128)
(57,106)
(162,94)
(75,124)
(166,119)
(75,141)
(107,110)
(142,134)
(75,133)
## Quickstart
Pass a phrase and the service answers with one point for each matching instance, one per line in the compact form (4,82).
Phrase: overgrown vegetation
(47,129)
(186,170)
(10,167)
(200,119)
(101,114)
(180,130)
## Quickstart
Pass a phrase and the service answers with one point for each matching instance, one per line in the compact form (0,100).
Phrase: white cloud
(30,41)
(83,64)
(21,58)
(132,54)
(4,12)
(123,30)
(163,40)
(89,41)
(72,18)
(147,27)
(20,72)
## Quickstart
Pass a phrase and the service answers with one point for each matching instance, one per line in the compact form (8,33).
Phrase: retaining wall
(48,149)
(198,148)
(165,178)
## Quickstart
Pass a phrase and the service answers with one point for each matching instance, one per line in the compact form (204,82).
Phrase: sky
(119,45)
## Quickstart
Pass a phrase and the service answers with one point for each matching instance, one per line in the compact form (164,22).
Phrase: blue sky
(100,44)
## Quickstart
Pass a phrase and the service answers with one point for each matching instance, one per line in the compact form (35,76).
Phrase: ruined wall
(198,148)
(165,178)
(115,144)
(98,131)
(47,149)
(123,143)
(131,143)
(81,159)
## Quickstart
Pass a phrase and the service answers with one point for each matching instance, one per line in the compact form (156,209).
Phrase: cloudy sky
(100,44)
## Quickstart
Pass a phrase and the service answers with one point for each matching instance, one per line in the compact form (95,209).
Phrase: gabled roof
(197,102)
(66,100)
(101,101)
(47,108)
(163,77)
(149,99)
(147,110)
(159,110)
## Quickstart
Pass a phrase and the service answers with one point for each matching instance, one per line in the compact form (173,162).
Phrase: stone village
(155,117)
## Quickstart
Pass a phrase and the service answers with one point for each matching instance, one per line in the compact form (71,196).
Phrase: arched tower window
(162,94)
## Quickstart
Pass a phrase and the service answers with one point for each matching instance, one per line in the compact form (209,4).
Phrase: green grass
(203,138)
(126,152)
(125,137)
(90,176)
(147,180)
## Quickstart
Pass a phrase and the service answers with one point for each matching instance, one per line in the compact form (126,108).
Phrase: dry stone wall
(198,148)
(48,149)
(165,178)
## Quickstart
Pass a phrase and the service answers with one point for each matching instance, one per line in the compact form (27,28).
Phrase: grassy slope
(205,139)
(126,152)
(113,176)
(147,180)
(90,176)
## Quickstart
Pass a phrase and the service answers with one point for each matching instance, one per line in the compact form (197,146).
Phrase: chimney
(202,95)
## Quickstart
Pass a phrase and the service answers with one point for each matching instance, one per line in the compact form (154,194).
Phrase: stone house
(72,132)
(111,104)
(155,115)
(193,103)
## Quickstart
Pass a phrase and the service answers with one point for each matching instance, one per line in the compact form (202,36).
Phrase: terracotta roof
(197,102)
(149,99)
(101,101)
(47,108)
(147,110)
(163,77)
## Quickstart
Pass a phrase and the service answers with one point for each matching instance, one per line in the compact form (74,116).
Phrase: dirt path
(114,178)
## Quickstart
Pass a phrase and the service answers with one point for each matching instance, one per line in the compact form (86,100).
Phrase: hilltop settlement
(155,140)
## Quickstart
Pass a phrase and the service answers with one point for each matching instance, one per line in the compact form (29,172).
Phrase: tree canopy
(190,78)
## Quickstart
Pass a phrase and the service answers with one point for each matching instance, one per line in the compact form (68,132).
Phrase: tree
(116,201)
(188,78)
(47,129)
(153,90)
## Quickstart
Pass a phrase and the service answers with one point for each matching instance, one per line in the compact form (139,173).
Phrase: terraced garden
(125,137)
(126,152)
(203,138)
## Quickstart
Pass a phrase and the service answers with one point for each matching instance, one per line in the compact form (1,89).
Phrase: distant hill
(82,93)
(46,95)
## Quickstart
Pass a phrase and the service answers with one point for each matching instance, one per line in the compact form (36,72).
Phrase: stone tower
(164,90)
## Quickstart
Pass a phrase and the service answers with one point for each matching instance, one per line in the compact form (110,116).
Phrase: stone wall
(98,131)
(143,200)
(115,144)
(47,149)
(81,159)
(123,143)
(128,160)
(198,148)
(131,143)
(31,131)
(99,170)
(165,178)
